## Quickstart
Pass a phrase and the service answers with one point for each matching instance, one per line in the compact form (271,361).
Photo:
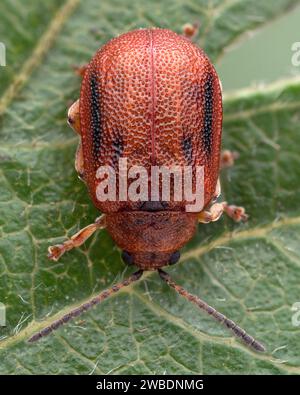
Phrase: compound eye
(127,258)
(174,258)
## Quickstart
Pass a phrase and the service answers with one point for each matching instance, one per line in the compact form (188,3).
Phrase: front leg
(56,251)
(214,212)
(237,213)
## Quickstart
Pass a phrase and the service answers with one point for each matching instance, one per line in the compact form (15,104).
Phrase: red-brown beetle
(153,97)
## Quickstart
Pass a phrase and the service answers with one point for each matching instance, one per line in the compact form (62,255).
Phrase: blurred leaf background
(249,271)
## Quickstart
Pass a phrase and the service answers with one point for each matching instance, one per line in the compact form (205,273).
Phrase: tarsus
(235,329)
(86,306)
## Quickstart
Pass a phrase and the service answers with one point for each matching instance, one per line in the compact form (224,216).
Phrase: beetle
(154,97)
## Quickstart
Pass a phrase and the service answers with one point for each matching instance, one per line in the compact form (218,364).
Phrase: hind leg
(190,30)
(80,70)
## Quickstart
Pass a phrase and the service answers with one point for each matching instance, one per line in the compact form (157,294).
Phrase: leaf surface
(250,272)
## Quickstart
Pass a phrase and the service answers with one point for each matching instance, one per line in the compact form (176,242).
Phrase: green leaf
(250,272)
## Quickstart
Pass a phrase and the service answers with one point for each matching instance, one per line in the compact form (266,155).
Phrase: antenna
(235,329)
(86,306)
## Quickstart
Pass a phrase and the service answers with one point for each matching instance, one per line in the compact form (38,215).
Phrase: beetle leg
(56,251)
(212,214)
(228,158)
(190,30)
(74,116)
(79,161)
(74,122)
(80,70)
(237,213)
(217,192)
